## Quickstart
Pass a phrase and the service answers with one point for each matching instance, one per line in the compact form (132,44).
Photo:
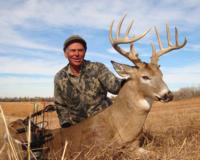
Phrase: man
(80,88)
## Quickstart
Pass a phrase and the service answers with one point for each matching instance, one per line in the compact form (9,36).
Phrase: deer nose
(168,96)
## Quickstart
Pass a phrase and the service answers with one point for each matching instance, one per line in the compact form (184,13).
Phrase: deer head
(148,78)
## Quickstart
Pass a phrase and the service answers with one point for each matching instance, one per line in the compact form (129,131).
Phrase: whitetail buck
(122,123)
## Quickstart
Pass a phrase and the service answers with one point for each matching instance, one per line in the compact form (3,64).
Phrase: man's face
(75,53)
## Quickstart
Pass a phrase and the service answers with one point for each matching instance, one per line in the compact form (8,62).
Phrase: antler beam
(156,55)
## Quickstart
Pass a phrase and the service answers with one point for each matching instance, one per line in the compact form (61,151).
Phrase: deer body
(122,123)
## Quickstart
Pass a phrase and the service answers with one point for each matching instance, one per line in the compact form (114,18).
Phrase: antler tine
(176,34)
(154,58)
(129,28)
(177,41)
(136,38)
(158,37)
(131,55)
(168,36)
(110,32)
(156,55)
(114,41)
(119,27)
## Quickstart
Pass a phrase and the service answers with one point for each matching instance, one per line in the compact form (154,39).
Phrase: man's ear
(65,53)
(122,69)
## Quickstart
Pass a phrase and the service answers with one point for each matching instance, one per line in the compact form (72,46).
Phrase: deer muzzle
(166,97)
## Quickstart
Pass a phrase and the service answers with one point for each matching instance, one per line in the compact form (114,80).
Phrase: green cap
(72,39)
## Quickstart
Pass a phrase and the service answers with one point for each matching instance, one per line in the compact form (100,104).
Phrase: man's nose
(76,52)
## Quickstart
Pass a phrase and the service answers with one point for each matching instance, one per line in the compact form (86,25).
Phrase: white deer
(122,123)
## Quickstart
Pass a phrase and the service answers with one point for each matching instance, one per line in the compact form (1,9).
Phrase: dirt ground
(172,129)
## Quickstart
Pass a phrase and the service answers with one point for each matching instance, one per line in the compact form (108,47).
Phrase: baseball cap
(72,39)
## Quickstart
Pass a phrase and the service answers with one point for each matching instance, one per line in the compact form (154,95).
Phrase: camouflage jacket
(77,98)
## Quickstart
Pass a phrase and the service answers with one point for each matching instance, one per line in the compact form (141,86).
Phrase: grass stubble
(171,130)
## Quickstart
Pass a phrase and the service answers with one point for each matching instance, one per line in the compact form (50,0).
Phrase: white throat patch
(145,104)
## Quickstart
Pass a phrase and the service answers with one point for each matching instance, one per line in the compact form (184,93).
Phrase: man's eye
(72,50)
(145,77)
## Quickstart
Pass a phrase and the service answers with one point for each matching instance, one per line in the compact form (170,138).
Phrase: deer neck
(134,97)
(130,111)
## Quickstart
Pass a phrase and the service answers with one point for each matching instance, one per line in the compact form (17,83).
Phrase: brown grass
(172,130)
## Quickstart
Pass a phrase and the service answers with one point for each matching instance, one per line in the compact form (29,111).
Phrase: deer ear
(122,69)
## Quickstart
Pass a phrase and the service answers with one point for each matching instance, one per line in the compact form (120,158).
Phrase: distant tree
(26,99)
(187,92)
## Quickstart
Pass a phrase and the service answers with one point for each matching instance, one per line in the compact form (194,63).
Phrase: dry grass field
(172,130)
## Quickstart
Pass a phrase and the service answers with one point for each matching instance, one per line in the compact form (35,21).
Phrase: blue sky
(32,33)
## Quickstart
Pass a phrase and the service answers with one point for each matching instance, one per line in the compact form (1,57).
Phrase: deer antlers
(156,55)
(132,55)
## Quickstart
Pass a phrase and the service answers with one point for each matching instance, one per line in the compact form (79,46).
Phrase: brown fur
(119,125)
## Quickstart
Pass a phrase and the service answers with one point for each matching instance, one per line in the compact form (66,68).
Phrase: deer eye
(145,77)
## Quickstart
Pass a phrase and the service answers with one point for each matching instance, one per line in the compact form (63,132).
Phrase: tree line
(26,99)
(183,93)
(187,92)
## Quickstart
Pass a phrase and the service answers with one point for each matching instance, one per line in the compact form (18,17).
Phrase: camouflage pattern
(77,98)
